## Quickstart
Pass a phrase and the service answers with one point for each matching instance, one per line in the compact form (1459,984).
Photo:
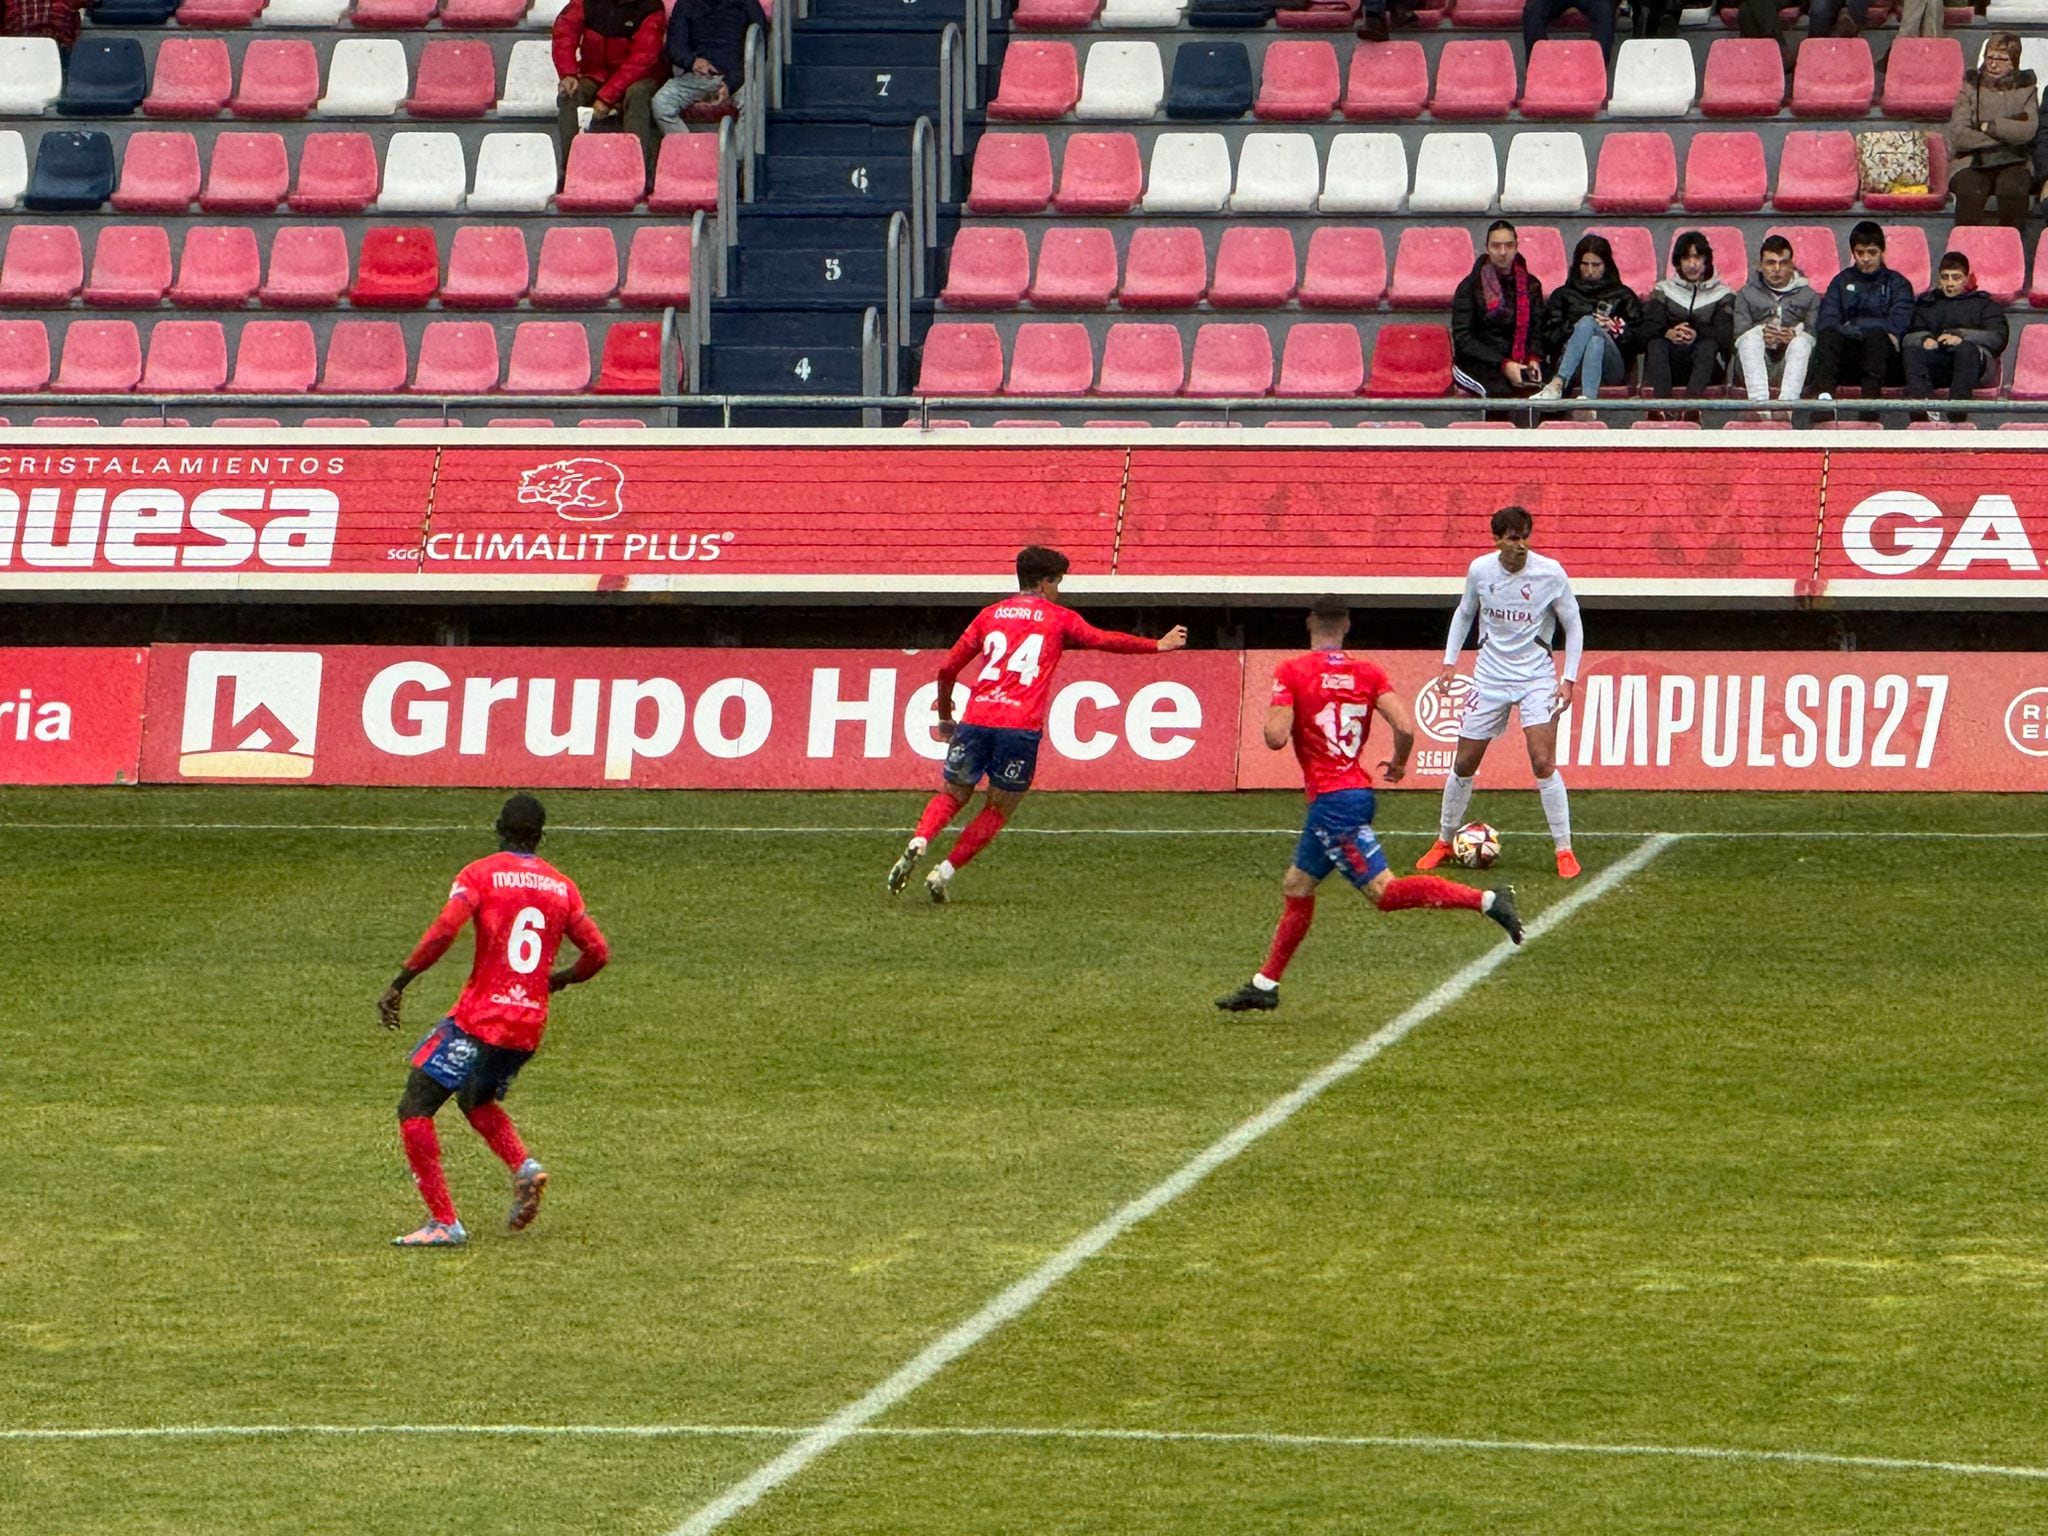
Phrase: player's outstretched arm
(432,946)
(1085,636)
(592,953)
(1393,709)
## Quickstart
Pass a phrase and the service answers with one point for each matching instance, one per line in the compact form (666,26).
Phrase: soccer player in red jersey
(1019,642)
(1323,702)
(524,907)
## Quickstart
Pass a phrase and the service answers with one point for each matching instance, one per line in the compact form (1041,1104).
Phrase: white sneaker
(1553,389)
(899,872)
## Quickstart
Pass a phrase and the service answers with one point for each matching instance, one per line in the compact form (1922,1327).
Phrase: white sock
(943,870)
(917,845)
(1557,810)
(1457,795)
(1264,983)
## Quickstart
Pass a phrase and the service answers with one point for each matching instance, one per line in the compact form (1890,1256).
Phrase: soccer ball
(1476,845)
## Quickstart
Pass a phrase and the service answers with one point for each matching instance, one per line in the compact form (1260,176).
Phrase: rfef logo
(1439,710)
(250,715)
(2026,722)
(581,490)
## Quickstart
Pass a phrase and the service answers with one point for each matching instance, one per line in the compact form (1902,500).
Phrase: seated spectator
(1654,18)
(1955,332)
(1537,16)
(1759,18)
(1837,18)
(1497,321)
(42,18)
(1991,135)
(1690,320)
(1862,321)
(706,55)
(1374,21)
(1773,322)
(608,54)
(1593,324)
(1922,18)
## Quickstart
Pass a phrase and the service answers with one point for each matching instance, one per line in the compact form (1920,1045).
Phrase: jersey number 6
(522,946)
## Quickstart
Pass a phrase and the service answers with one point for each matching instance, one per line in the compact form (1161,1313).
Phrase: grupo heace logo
(1440,708)
(580,490)
(2026,722)
(250,715)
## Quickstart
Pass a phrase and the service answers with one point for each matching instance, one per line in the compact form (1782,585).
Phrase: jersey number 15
(1344,727)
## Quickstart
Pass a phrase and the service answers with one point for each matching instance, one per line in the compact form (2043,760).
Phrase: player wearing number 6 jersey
(1010,653)
(1323,703)
(523,908)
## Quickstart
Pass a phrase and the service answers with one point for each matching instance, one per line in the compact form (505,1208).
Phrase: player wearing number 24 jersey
(522,907)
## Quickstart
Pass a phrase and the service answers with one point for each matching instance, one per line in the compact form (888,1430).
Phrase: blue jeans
(1592,355)
(1821,16)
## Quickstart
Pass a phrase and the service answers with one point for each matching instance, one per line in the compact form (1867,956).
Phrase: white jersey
(1519,616)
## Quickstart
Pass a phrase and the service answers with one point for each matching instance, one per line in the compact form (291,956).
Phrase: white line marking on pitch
(1026,1293)
(1277,1440)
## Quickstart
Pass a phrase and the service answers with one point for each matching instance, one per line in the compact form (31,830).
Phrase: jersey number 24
(1023,660)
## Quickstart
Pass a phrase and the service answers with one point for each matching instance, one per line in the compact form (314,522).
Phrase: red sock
(976,836)
(423,1151)
(1295,917)
(936,815)
(1428,891)
(499,1133)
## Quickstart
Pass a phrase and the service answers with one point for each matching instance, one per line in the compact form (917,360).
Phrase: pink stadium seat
(1815,252)
(1745,77)
(218,267)
(308,267)
(248,174)
(24,356)
(186,357)
(101,357)
(1231,361)
(456,78)
(1724,173)
(987,269)
(1567,79)
(686,174)
(1637,260)
(615,423)
(274,357)
(131,267)
(1905,252)
(1255,268)
(2037,291)
(1331,16)
(393,15)
(1388,82)
(159,173)
(961,359)
(1731,254)
(1429,263)
(44,266)
(1142,358)
(156,421)
(657,268)
(1922,76)
(2029,373)
(71,421)
(550,357)
(1411,362)
(1054,15)
(481,15)
(1051,358)
(220,422)
(219,13)
(364,357)
(1041,81)
(1475,78)
(1164,268)
(1494,15)
(1543,249)
(1298,82)
(1076,269)
(1998,260)
(631,361)
(607,173)
(1321,359)
(1933,200)
(457,357)
(1832,77)
(487,268)
(1637,173)
(1100,174)
(521,421)
(1817,172)
(280,79)
(396,268)
(1012,173)
(192,78)
(337,173)
(1346,269)
(579,268)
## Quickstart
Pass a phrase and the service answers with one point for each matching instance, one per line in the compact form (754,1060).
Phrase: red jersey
(523,908)
(1332,694)
(1020,641)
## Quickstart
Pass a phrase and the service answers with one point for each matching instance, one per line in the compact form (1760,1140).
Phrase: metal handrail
(949,69)
(784,39)
(877,366)
(753,114)
(895,298)
(923,197)
(728,180)
(965,91)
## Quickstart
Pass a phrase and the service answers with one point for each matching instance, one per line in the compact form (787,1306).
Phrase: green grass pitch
(1748,1156)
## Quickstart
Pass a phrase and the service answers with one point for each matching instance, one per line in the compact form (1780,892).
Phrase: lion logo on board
(581,490)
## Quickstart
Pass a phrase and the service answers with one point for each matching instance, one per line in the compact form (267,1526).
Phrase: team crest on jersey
(1439,710)
(581,490)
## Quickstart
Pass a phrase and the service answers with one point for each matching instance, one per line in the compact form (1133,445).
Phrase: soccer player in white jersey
(1521,600)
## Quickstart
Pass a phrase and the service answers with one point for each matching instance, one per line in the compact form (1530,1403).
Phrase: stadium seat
(248,173)
(308,268)
(1255,268)
(393,15)
(685,174)
(579,268)
(133,13)
(1495,15)
(1933,200)
(961,359)
(457,357)
(366,77)
(274,357)
(1040,82)
(2029,371)
(1724,173)
(1164,268)
(1056,15)
(280,79)
(227,14)
(1745,78)
(131,267)
(1298,82)
(1142,358)
(542,13)
(1012,173)
(1653,77)
(1542,247)
(74,173)
(1190,173)
(1321,359)
(192,78)
(396,268)
(549,357)
(456,78)
(219,267)
(1832,77)
(1125,82)
(13,167)
(1212,82)
(1546,173)
(1637,261)
(1817,172)
(1921,77)
(1387,83)
(1346,268)
(487,268)
(1455,173)
(1276,173)
(425,173)
(101,357)
(1221,14)
(987,269)
(480,15)
(1146,14)
(1731,254)
(1474,79)
(1365,173)
(1638,173)
(1905,252)
(105,78)
(1567,79)
(31,75)
(1410,362)
(24,356)
(44,266)
(364,357)
(1231,361)
(159,173)
(2037,290)
(1998,259)
(530,82)
(1816,255)
(515,172)
(1429,263)
(1100,174)
(1076,269)
(337,174)
(630,363)
(1048,358)
(607,174)
(186,357)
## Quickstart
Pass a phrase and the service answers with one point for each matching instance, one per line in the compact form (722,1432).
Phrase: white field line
(1271,1440)
(1026,1293)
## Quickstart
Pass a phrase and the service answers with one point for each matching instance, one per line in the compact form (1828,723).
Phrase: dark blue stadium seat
(1222,14)
(1210,81)
(133,13)
(74,173)
(105,78)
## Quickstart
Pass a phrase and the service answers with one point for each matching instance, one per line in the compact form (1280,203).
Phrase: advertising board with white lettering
(69,715)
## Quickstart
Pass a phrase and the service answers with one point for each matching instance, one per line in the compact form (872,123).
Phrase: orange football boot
(1438,852)
(1567,865)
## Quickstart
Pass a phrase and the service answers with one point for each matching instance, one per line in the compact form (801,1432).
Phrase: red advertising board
(70,716)
(695,719)
(1777,720)
(1930,525)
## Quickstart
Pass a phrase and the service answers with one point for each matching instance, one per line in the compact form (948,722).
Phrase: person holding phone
(1497,321)
(1593,324)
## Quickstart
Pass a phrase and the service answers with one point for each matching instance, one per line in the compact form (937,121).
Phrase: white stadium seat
(31,75)
(1455,173)
(1121,82)
(1653,77)
(1365,173)
(1276,173)
(1189,173)
(366,77)
(1546,174)
(530,83)
(13,168)
(423,173)
(515,173)
(1163,15)
(304,13)
(543,13)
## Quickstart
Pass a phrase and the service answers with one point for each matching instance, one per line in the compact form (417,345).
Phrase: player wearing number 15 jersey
(523,908)
(1323,703)
(1010,653)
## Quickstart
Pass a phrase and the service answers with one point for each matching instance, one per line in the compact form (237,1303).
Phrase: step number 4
(803,369)
(882,84)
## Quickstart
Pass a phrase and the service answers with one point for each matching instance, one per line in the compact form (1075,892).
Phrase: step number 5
(832,270)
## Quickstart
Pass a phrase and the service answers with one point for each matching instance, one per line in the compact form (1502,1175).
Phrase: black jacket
(1677,302)
(1576,300)
(1480,340)
(716,31)
(1971,314)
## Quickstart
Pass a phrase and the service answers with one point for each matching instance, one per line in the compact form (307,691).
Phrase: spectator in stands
(1991,135)
(608,54)
(1593,324)
(1921,18)
(1654,18)
(1955,332)
(1690,319)
(1862,320)
(1774,323)
(1538,15)
(706,55)
(1837,18)
(42,18)
(1497,321)
(1374,22)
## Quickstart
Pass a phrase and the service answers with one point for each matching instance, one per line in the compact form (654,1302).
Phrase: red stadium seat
(2029,372)
(219,13)
(219,267)
(1255,268)
(1833,77)
(579,268)
(1429,263)
(1494,15)
(44,267)
(1231,361)
(456,78)
(2037,291)
(1012,173)
(1050,358)
(1543,249)
(987,269)
(1041,81)
(1724,173)
(550,357)
(1054,15)
(280,79)
(1905,252)
(192,79)
(961,359)
(1142,358)
(308,267)
(631,361)
(1321,359)
(274,357)
(1637,261)
(1388,82)
(248,174)
(607,173)
(1164,268)
(1817,172)
(457,357)
(101,357)
(1474,79)
(159,173)
(686,174)
(1076,269)
(24,356)
(1998,260)
(393,15)
(482,15)
(1745,77)
(131,267)
(364,357)
(1921,77)
(1410,362)
(1731,254)
(1637,173)
(1567,79)
(1346,269)
(186,357)
(487,268)
(337,174)
(1298,82)
(397,268)
(1100,174)
(1815,252)
(657,268)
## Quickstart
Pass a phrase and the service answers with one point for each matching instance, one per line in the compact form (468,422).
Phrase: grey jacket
(1756,301)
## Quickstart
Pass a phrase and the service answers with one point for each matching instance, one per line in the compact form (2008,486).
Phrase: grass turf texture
(1747,1155)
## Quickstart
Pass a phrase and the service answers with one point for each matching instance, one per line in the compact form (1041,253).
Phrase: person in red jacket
(611,58)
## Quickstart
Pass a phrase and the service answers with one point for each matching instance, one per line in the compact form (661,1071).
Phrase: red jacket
(617,43)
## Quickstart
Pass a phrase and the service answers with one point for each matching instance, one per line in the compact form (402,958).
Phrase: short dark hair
(520,822)
(1329,612)
(1954,261)
(1512,520)
(1036,563)
(1866,232)
(1502,224)
(1775,245)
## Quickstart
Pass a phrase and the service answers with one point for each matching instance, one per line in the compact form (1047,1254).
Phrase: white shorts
(1487,715)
